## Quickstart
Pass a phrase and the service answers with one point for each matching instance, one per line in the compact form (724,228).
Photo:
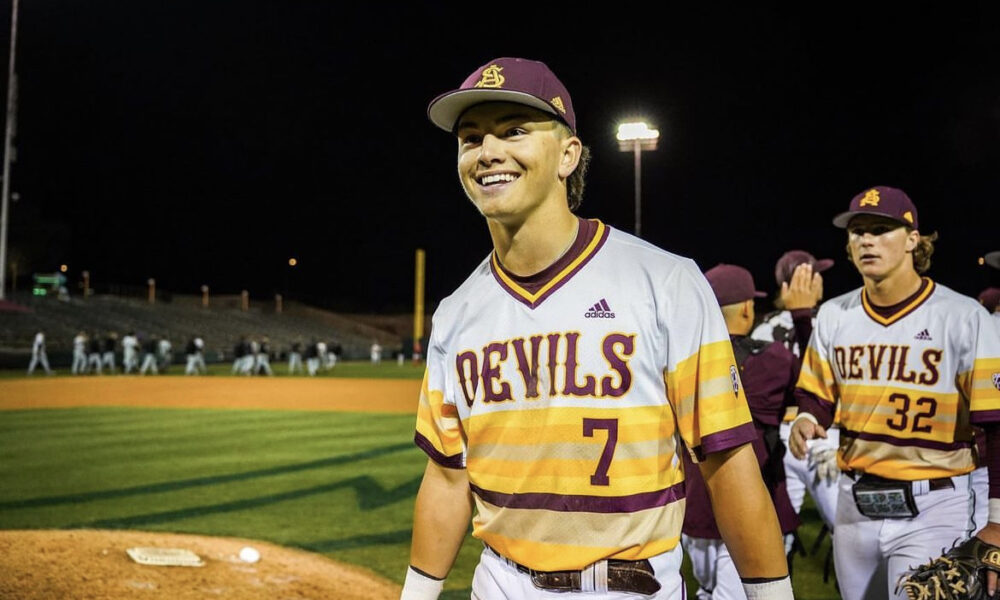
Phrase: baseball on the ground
(249,554)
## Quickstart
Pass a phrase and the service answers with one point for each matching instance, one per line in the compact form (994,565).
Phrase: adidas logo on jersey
(923,335)
(601,310)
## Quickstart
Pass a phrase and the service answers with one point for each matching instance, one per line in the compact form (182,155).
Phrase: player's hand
(802,431)
(991,535)
(805,289)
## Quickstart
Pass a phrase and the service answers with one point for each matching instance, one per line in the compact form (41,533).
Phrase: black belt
(933,485)
(623,576)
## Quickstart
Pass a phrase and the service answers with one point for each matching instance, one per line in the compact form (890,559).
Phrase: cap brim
(844,218)
(445,110)
(822,265)
(759,294)
(993,259)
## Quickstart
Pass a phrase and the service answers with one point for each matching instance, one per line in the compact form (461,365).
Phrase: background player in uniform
(38,355)
(910,364)
(797,274)
(562,429)
(79,366)
(130,352)
(768,371)
(108,351)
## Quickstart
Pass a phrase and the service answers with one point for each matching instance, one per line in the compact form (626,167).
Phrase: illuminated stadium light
(636,136)
(292,262)
(629,132)
(63,268)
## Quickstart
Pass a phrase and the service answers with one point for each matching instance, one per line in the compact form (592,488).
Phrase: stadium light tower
(635,137)
(7,147)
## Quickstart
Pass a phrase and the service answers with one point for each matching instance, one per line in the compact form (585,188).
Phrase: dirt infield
(285,393)
(94,564)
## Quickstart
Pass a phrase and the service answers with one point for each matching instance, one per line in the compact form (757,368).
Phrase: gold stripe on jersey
(908,463)
(902,312)
(642,535)
(584,255)
(545,450)
(983,384)
(905,414)
(704,381)
(438,425)
(816,376)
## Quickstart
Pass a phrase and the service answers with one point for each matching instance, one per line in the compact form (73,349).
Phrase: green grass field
(340,484)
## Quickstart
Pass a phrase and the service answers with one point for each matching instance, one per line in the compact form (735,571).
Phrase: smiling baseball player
(561,423)
(911,365)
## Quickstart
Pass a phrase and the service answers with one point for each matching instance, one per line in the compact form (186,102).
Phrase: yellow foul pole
(418,305)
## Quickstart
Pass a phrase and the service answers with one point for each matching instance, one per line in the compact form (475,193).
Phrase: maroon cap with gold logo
(732,284)
(517,80)
(990,298)
(883,201)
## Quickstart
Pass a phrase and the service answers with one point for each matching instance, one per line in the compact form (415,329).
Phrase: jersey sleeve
(702,381)
(816,389)
(439,430)
(979,369)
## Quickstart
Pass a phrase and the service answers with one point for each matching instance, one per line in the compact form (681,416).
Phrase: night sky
(208,142)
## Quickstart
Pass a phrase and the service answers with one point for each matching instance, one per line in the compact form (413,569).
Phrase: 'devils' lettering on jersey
(866,362)
(545,364)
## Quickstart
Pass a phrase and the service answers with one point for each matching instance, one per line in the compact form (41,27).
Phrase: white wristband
(418,586)
(804,415)
(780,589)
(994,514)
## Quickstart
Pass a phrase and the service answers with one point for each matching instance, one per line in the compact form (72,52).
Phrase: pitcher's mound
(94,564)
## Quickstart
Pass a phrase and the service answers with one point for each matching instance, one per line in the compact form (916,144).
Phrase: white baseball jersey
(39,344)
(779,323)
(909,382)
(130,343)
(565,395)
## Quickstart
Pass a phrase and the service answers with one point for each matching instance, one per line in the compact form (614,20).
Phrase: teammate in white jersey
(800,283)
(562,375)
(910,365)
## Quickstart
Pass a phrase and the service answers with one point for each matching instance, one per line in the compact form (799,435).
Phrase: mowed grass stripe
(183,453)
(154,424)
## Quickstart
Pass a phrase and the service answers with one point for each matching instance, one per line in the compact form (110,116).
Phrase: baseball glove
(960,573)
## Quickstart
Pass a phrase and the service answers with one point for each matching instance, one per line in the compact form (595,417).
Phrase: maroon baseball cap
(732,284)
(785,266)
(989,298)
(993,259)
(517,80)
(883,201)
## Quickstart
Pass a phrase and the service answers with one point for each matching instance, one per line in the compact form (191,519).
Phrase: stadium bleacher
(221,325)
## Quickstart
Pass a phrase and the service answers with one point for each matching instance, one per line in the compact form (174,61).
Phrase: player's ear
(571,148)
(912,239)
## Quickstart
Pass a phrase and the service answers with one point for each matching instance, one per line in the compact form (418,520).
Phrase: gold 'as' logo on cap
(871,198)
(491,77)
(908,216)
(558,103)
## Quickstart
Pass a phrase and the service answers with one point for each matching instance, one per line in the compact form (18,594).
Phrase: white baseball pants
(870,555)
(799,478)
